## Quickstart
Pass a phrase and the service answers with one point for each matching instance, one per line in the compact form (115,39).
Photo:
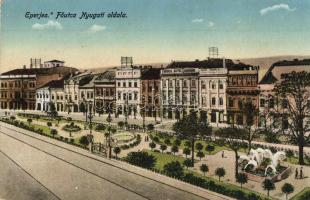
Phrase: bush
(156,139)
(150,127)
(173,169)
(84,140)
(100,127)
(53,132)
(141,159)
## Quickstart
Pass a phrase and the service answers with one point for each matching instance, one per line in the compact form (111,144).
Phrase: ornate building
(241,88)
(18,86)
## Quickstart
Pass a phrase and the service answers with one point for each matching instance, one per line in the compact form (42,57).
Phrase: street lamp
(109,120)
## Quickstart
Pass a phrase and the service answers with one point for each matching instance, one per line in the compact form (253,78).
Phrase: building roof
(34,71)
(107,76)
(277,69)
(54,84)
(209,63)
(150,73)
(87,81)
(55,61)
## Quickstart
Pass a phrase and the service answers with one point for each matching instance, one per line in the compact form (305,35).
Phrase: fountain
(263,163)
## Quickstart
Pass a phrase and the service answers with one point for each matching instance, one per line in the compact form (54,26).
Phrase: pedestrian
(222,154)
(301,173)
(296,173)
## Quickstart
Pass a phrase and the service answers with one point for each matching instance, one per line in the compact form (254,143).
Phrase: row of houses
(220,87)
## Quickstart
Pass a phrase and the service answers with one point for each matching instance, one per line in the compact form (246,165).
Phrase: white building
(53,63)
(212,90)
(43,98)
(127,80)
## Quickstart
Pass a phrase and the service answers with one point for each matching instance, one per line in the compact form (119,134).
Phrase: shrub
(167,141)
(186,151)
(156,139)
(174,149)
(100,127)
(49,124)
(210,148)
(163,147)
(199,146)
(116,150)
(152,145)
(177,142)
(173,169)
(53,132)
(141,159)
(84,140)
(187,163)
(200,155)
(220,172)
(204,168)
(150,127)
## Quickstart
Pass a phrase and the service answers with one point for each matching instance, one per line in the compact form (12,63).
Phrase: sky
(152,32)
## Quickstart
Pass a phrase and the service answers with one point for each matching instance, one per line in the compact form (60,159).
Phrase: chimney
(224,63)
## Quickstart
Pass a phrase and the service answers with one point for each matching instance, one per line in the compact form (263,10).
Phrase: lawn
(303,195)
(163,158)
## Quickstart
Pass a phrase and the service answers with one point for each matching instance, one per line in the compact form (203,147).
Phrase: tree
(84,140)
(37,117)
(152,145)
(187,143)
(287,189)
(121,124)
(200,154)
(251,131)
(294,91)
(204,168)
(69,119)
(53,132)
(58,119)
(187,163)
(163,147)
(199,146)
(174,149)
(268,185)
(233,137)
(186,152)
(53,112)
(210,148)
(12,118)
(82,108)
(150,127)
(242,178)
(141,159)
(173,169)
(49,124)
(167,141)
(177,142)
(190,127)
(29,120)
(220,172)
(116,150)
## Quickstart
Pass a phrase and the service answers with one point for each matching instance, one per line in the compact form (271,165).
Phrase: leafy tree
(187,143)
(187,163)
(37,117)
(190,127)
(58,119)
(163,147)
(116,150)
(53,112)
(141,159)
(186,152)
(294,90)
(174,149)
(173,169)
(12,118)
(84,140)
(121,124)
(150,127)
(268,185)
(200,154)
(233,137)
(29,120)
(156,139)
(53,132)
(220,172)
(287,189)
(242,178)
(210,148)
(152,145)
(49,124)
(204,168)
(199,146)
(82,108)
(251,130)
(177,142)
(167,141)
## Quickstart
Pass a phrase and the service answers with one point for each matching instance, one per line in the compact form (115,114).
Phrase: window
(213,101)
(239,119)
(262,102)
(124,84)
(177,83)
(170,83)
(119,84)
(271,102)
(221,86)
(136,96)
(213,86)
(193,83)
(124,96)
(130,96)
(240,104)
(75,97)
(231,102)
(203,85)
(135,84)
(221,102)
(119,96)
(129,84)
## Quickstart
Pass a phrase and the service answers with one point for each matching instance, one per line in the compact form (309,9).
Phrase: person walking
(296,173)
(301,173)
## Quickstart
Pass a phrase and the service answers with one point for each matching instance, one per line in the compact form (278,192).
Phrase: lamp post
(109,120)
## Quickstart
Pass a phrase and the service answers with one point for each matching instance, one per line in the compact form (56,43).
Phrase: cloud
(49,25)
(198,20)
(96,28)
(211,24)
(276,7)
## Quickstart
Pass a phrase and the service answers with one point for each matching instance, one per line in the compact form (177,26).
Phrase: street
(49,169)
